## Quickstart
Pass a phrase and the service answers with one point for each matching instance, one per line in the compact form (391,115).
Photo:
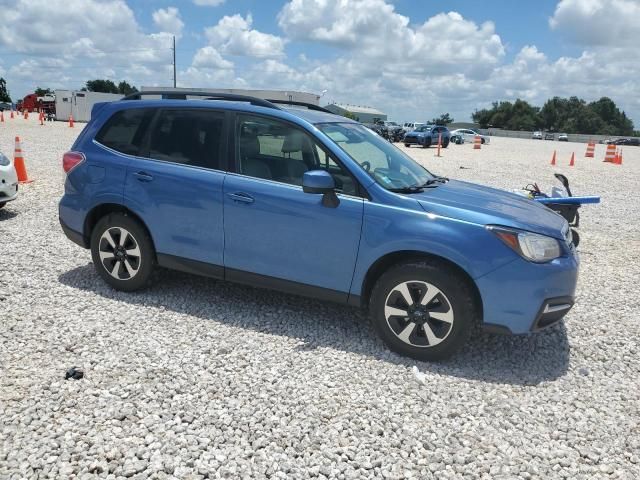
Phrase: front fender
(387,229)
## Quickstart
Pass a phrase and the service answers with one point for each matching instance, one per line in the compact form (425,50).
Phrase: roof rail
(182,95)
(310,106)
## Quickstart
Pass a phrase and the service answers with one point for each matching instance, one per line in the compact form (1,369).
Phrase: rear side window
(188,137)
(125,130)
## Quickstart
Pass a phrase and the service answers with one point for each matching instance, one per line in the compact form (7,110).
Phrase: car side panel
(98,180)
(387,229)
(181,206)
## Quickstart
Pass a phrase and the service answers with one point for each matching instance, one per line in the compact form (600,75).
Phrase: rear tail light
(70,160)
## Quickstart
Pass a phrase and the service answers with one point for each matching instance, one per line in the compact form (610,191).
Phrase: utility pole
(174,61)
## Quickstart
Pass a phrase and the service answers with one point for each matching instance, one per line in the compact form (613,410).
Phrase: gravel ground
(196,378)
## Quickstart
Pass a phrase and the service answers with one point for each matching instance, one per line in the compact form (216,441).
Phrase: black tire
(407,145)
(482,141)
(445,144)
(122,256)
(454,300)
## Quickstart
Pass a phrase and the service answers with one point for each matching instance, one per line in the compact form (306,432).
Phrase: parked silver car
(8,181)
(468,135)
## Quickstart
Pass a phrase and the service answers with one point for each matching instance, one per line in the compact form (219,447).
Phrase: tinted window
(188,137)
(125,130)
(274,150)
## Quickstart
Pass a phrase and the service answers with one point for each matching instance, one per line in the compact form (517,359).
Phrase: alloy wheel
(119,253)
(419,314)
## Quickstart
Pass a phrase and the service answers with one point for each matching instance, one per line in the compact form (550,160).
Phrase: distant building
(285,95)
(80,103)
(361,114)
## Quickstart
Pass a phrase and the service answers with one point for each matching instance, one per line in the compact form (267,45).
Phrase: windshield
(386,164)
(423,128)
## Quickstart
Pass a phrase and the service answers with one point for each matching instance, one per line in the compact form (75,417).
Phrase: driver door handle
(143,176)
(241,197)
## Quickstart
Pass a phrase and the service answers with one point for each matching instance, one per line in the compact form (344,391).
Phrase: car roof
(311,116)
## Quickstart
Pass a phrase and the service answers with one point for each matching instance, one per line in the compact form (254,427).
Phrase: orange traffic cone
(553,158)
(41,117)
(71,120)
(1,117)
(572,162)
(619,162)
(477,142)
(439,144)
(26,114)
(18,163)
(11,113)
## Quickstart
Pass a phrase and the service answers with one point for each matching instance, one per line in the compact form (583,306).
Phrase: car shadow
(520,360)
(6,214)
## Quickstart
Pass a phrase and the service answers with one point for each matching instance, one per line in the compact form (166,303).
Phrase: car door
(177,188)
(275,234)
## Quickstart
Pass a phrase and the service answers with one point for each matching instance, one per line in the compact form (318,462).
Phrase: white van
(411,126)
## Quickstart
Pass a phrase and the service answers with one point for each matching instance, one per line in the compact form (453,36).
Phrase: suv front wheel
(422,310)
(122,252)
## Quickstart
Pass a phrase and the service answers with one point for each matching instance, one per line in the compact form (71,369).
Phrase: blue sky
(414,59)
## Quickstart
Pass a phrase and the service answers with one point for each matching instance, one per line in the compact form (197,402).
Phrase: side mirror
(321,182)
(318,181)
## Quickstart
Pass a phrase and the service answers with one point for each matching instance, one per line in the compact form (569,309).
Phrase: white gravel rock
(196,378)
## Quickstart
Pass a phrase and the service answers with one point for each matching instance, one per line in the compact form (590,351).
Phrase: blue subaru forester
(291,197)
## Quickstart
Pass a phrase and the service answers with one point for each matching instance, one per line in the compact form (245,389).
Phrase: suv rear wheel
(422,310)
(122,252)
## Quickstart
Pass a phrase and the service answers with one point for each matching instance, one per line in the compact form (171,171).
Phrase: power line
(174,61)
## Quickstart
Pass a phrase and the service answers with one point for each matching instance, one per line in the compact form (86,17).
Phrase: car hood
(490,206)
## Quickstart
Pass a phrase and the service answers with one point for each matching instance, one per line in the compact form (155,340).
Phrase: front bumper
(413,140)
(523,297)
(8,191)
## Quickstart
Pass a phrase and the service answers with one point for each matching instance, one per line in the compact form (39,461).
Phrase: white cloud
(208,3)
(168,20)
(64,43)
(373,31)
(233,35)
(209,57)
(598,22)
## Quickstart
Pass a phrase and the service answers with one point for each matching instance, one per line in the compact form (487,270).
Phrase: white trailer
(80,103)
(283,95)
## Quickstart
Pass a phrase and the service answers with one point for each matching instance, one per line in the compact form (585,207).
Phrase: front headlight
(532,246)
(4,161)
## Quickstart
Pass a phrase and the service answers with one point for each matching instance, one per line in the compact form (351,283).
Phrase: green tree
(104,86)
(571,115)
(4,94)
(444,119)
(41,92)
(125,89)
(350,115)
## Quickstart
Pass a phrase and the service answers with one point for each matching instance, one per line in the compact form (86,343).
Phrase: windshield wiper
(435,180)
(411,189)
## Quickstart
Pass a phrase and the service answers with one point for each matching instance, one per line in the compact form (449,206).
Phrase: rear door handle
(241,197)
(143,176)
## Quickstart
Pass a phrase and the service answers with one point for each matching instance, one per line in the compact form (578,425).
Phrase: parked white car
(411,126)
(468,135)
(537,135)
(8,181)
